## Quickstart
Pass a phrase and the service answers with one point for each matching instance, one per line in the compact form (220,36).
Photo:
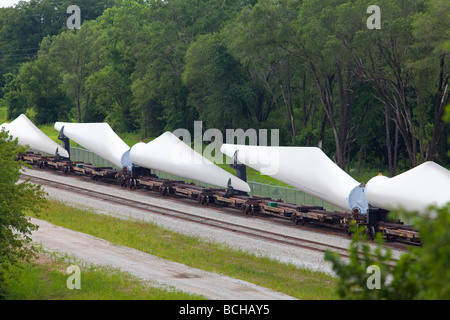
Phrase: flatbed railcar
(375,221)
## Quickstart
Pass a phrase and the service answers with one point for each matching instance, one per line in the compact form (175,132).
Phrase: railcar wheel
(123,183)
(294,220)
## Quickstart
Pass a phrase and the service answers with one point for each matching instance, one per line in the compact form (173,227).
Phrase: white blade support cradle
(28,134)
(98,138)
(169,154)
(305,168)
(414,190)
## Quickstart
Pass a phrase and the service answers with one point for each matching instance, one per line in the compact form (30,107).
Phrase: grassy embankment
(192,251)
(46,279)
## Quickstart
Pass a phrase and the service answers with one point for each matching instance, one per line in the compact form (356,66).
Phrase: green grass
(3,112)
(51,132)
(194,252)
(131,138)
(46,279)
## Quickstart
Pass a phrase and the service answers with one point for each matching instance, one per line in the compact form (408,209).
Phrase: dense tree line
(311,68)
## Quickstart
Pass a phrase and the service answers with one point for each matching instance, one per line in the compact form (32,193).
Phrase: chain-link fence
(79,154)
(278,193)
(289,195)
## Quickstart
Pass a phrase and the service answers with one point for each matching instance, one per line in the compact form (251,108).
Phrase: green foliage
(447,119)
(220,90)
(311,69)
(15,200)
(353,277)
(447,114)
(46,279)
(23,27)
(14,98)
(37,87)
(421,272)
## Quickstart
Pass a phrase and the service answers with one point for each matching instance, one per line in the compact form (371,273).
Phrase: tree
(326,32)
(75,54)
(261,39)
(219,87)
(16,200)
(37,86)
(23,27)
(431,30)
(447,119)
(421,272)
(406,64)
(16,101)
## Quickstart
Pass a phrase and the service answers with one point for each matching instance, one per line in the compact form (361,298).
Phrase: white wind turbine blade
(98,138)
(28,134)
(169,154)
(305,168)
(414,190)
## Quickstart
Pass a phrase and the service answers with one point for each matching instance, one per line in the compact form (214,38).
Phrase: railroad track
(192,218)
